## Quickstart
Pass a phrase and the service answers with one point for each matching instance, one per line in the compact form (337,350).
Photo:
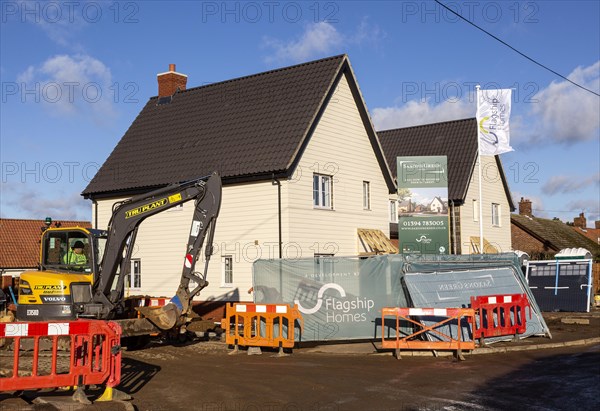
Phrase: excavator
(83,272)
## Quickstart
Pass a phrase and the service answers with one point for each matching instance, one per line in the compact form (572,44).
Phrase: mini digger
(82,272)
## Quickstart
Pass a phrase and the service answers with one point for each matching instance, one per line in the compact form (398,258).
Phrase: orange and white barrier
(410,342)
(92,354)
(261,325)
(500,315)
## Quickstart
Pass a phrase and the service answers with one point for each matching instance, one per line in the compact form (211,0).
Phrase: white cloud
(72,84)
(28,201)
(569,184)
(60,22)
(415,113)
(317,39)
(321,39)
(367,34)
(565,113)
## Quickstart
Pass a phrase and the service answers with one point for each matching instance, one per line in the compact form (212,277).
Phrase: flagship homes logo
(423,239)
(489,125)
(339,309)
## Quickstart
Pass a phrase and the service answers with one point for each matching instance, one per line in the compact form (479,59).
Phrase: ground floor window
(227,261)
(134,279)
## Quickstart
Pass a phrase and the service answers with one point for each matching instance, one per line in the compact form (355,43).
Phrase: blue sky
(75,75)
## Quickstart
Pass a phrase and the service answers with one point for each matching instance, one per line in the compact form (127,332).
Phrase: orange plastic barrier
(261,325)
(500,315)
(74,353)
(411,343)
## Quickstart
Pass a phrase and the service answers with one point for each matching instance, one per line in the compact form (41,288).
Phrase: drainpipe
(276,182)
(95,203)
(454,226)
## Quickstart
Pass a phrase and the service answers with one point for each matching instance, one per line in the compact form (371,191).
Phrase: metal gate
(561,285)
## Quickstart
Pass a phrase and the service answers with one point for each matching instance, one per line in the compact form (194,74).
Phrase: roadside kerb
(361,348)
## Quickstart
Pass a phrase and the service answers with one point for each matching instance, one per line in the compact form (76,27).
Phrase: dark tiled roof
(248,126)
(455,139)
(556,234)
(20,241)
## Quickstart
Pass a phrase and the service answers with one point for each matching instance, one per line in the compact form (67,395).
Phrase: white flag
(493,113)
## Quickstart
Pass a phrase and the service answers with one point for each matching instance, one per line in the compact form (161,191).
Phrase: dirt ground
(203,376)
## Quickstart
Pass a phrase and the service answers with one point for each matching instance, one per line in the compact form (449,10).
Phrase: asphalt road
(202,376)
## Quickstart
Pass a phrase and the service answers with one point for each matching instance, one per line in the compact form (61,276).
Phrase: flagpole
(480,193)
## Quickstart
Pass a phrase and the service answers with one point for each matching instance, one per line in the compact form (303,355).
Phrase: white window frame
(475,210)
(393,209)
(132,276)
(322,191)
(366,195)
(496,220)
(224,274)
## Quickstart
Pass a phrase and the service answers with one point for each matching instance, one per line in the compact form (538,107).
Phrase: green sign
(423,219)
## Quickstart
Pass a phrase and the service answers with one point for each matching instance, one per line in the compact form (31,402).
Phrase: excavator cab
(69,261)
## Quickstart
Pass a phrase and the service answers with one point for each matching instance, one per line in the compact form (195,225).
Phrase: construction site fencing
(419,338)
(262,325)
(499,315)
(59,354)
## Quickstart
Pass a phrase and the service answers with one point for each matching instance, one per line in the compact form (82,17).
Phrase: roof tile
(241,127)
(556,233)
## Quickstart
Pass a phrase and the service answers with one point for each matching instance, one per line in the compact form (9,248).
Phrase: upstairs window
(496,215)
(322,191)
(366,195)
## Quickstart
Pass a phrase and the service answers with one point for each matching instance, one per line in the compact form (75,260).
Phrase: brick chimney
(597,224)
(525,207)
(169,82)
(580,221)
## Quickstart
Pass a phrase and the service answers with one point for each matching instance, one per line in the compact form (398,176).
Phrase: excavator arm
(108,287)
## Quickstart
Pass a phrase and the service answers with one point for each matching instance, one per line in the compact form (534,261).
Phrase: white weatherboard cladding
(493,192)
(248,214)
(339,147)
(247,227)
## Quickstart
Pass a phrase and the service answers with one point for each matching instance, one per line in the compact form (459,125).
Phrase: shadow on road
(561,382)
(135,375)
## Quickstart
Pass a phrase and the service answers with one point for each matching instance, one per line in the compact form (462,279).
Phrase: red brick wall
(169,82)
(523,241)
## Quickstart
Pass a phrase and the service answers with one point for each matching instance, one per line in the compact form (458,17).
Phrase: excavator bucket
(164,317)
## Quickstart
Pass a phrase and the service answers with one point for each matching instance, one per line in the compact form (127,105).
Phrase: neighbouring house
(20,245)
(542,238)
(437,205)
(458,141)
(580,226)
(301,165)
(403,207)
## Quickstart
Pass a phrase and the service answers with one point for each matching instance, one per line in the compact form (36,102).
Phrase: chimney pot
(172,67)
